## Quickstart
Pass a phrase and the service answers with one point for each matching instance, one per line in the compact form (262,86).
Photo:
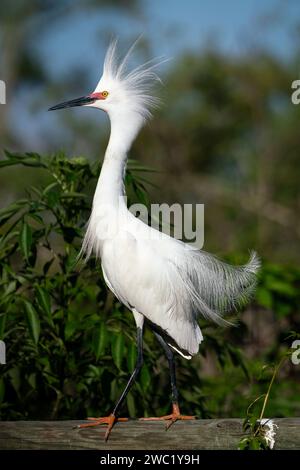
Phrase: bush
(70,343)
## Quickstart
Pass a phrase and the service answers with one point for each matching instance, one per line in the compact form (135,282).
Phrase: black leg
(112,418)
(134,374)
(171,360)
(175,415)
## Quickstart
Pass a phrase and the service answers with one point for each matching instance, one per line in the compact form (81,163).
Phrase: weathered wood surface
(133,435)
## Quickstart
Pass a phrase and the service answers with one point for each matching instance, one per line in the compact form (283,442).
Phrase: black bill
(77,102)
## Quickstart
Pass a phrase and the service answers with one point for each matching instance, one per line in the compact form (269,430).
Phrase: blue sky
(170,26)
(173,26)
(230,22)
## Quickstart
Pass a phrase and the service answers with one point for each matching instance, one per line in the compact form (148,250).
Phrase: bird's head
(121,92)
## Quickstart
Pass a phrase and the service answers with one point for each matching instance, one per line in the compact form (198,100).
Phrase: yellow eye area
(105,94)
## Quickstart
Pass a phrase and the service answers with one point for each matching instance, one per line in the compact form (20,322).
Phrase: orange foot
(109,420)
(171,418)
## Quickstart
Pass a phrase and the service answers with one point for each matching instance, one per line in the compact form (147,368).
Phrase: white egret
(165,282)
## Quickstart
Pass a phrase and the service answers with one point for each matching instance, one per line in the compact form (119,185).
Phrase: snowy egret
(165,282)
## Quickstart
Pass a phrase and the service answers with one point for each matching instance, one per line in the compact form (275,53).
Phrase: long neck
(109,195)
(110,187)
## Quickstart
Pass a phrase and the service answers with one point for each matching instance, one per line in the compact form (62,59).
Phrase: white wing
(171,283)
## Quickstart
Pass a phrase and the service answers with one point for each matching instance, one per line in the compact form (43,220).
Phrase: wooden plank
(133,435)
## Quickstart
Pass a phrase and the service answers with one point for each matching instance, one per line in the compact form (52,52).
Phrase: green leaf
(145,377)
(71,261)
(32,321)
(134,165)
(36,191)
(142,195)
(32,380)
(118,349)
(4,163)
(254,444)
(283,287)
(100,340)
(73,195)
(131,356)
(44,301)
(28,159)
(244,444)
(10,211)
(36,217)
(114,390)
(52,198)
(15,379)
(50,187)
(25,240)
(283,309)
(264,298)
(10,289)
(70,327)
(131,405)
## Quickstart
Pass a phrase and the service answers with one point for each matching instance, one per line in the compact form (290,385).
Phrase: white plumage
(160,278)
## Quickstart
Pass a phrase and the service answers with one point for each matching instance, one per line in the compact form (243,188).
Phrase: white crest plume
(135,85)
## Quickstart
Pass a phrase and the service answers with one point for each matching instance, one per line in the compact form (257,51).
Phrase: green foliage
(254,425)
(256,440)
(68,338)
(279,290)
(71,344)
